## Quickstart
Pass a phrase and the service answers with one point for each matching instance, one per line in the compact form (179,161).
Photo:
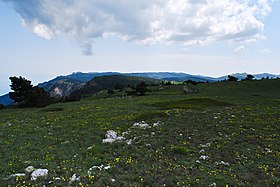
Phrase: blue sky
(40,39)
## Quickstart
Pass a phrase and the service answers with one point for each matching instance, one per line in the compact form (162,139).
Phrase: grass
(224,134)
(193,103)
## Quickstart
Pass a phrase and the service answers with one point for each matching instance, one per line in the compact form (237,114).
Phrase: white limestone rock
(39,173)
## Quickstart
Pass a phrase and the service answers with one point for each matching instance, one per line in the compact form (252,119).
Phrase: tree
(22,88)
(27,95)
(232,78)
(249,77)
(38,97)
(142,88)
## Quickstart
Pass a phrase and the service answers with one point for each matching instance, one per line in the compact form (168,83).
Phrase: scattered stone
(213,185)
(203,157)
(112,136)
(108,140)
(101,167)
(202,151)
(206,145)
(120,138)
(142,124)
(156,124)
(74,178)
(268,150)
(18,175)
(125,133)
(107,167)
(75,156)
(129,142)
(89,147)
(29,169)
(39,173)
(222,163)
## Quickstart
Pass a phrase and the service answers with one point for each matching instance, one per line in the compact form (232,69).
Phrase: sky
(41,39)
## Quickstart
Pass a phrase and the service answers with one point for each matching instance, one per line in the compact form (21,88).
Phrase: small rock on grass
(39,173)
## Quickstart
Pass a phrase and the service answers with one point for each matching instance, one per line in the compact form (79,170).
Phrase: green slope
(227,134)
(109,82)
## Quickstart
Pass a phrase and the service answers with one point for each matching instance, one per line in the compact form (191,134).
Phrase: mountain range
(65,85)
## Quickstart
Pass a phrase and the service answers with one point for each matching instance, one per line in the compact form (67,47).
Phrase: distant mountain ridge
(5,100)
(65,85)
(241,76)
(168,76)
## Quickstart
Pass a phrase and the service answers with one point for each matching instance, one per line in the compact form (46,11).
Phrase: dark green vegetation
(26,95)
(118,82)
(226,133)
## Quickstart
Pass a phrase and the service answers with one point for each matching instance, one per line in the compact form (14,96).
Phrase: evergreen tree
(27,95)
(22,88)
(38,97)
(232,78)
(249,77)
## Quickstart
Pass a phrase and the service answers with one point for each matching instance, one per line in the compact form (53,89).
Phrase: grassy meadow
(224,134)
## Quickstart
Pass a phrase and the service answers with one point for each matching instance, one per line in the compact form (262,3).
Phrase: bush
(190,82)
(111,91)
(180,150)
(141,88)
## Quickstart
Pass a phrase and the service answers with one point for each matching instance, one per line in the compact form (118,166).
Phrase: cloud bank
(147,22)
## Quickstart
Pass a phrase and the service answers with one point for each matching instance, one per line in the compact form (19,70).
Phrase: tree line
(233,78)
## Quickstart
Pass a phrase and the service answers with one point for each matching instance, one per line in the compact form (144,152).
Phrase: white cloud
(43,31)
(240,49)
(266,51)
(189,22)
